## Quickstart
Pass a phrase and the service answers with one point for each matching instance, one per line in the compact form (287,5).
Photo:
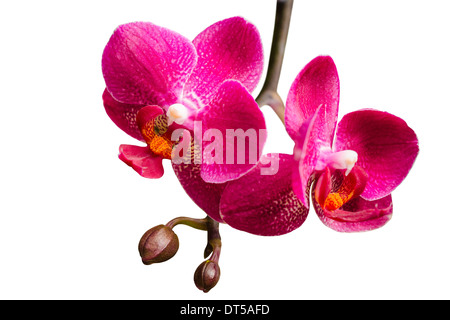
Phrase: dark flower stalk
(269,92)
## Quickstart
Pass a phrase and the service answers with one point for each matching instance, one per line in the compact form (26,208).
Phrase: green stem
(269,92)
(200,224)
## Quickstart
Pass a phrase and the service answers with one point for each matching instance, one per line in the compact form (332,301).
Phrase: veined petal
(317,84)
(308,145)
(205,195)
(230,49)
(123,115)
(263,202)
(386,147)
(146,64)
(234,133)
(142,160)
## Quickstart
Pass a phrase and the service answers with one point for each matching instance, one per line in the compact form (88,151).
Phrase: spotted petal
(205,195)
(145,64)
(123,115)
(317,84)
(262,202)
(234,134)
(386,147)
(230,49)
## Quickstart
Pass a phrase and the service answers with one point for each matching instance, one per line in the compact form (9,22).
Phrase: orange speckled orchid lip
(155,133)
(153,125)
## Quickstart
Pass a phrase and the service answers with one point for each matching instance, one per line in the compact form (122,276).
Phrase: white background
(71,213)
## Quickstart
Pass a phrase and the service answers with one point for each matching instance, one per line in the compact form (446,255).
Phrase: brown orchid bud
(158,244)
(207,275)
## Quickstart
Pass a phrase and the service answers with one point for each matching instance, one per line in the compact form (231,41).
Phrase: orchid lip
(154,128)
(349,188)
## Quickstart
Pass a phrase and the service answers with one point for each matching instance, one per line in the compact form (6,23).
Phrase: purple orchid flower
(158,81)
(350,180)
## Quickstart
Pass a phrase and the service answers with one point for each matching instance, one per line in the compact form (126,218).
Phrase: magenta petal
(234,133)
(356,215)
(386,147)
(205,195)
(307,151)
(146,64)
(317,84)
(123,115)
(142,160)
(261,203)
(229,49)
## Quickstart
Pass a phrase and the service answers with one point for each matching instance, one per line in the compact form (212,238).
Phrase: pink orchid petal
(231,111)
(229,49)
(317,84)
(142,160)
(386,147)
(205,195)
(264,204)
(123,115)
(146,64)
(307,150)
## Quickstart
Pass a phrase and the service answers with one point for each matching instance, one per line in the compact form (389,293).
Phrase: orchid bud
(207,275)
(158,244)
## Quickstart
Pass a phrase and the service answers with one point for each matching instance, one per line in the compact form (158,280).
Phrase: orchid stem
(200,224)
(269,92)
(214,243)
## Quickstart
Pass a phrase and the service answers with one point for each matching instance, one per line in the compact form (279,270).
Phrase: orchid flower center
(353,180)
(332,195)
(177,113)
(345,193)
